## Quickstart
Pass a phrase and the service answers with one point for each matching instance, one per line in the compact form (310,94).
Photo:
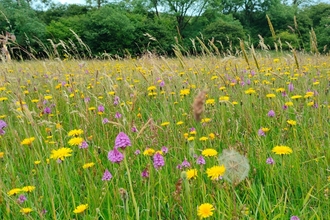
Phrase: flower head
(122,141)
(106,176)
(28,188)
(3,124)
(291,122)
(21,199)
(237,166)
(294,218)
(28,141)
(115,156)
(185,163)
(209,152)
(191,174)
(158,161)
(216,172)
(76,141)
(149,152)
(200,160)
(61,153)
(205,210)
(270,161)
(14,191)
(80,208)
(281,150)
(88,165)
(271,113)
(26,210)
(75,132)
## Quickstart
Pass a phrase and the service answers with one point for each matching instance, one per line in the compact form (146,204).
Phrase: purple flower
(179,166)
(162,84)
(134,129)
(261,132)
(116,100)
(115,156)
(290,87)
(248,81)
(107,175)
(105,120)
(270,161)
(164,149)
(47,110)
(100,108)
(192,129)
(122,141)
(137,152)
(185,163)
(22,198)
(158,161)
(117,115)
(284,94)
(3,124)
(145,173)
(87,99)
(271,113)
(2,132)
(200,160)
(294,218)
(83,145)
(285,107)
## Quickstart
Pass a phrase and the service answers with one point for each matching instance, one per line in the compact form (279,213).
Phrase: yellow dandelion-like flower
(28,141)
(309,94)
(75,132)
(203,138)
(280,90)
(179,123)
(216,172)
(28,188)
(151,88)
(48,97)
(149,152)
(165,123)
(271,95)
(88,165)
(224,98)
(184,92)
(282,150)
(76,141)
(209,152)
(191,138)
(61,153)
(250,91)
(205,210)
(26,210)
(212,136)
(2,154)
(291,122)
(80,208)
(265,129)
(205,120)
(296,97)
(191,174)
(210,102)
(14,191)
(2,99)
(288,103)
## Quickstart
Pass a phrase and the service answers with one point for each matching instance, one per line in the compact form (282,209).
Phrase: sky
(71,1)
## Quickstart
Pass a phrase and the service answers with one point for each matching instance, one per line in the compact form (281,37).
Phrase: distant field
(160,138)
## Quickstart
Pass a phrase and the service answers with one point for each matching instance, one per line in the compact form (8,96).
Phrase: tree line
(133,27)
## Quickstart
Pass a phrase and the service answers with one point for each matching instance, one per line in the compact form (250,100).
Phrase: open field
(145,139)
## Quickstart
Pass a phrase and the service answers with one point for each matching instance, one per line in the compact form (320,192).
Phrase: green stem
(131,189)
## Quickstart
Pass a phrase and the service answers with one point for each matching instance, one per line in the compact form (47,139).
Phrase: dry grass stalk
(271,27)
(198,106)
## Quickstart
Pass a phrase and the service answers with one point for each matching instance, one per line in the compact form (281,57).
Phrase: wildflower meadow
(206,137)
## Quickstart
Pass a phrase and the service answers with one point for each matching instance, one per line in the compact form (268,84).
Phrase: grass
(296,184)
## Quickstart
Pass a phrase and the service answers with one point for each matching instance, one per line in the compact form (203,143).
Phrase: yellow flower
(27,141)
(28,188)
(209,152)
(191,138)
(271,95)
(61,153)
(205,120)
(26,210)
(76,141)
(288,103)
(212,136)
(14,191)
(224,98)
(3,99)
(265,129)
(88,165)
(309,94)
(165,123)
(205,210)
(203,138)
(149,152)
(179,123)
(184,92)
(296,97)
(210,101)
(280,90)
(2,154)
(216,172)
(282,150)
(80,208)
(250,91)
(291,122)
(48,97)
(151,88)
(191,173)
(75,132)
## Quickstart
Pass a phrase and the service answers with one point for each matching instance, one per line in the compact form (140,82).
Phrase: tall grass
(239,96)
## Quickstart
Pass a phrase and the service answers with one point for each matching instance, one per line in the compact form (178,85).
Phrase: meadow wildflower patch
(190,138)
